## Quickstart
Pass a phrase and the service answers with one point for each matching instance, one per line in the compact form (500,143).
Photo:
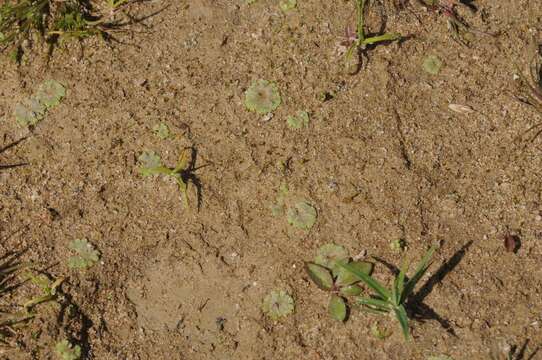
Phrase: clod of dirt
(512,243)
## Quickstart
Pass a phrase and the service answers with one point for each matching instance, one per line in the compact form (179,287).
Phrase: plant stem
(385,37)
(360,31)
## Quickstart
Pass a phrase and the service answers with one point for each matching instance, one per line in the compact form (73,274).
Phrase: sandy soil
(188,284)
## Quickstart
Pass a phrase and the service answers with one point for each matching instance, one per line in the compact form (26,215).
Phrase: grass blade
(375,304)
(367,279)
(399,283)
(401,314)
(420,271)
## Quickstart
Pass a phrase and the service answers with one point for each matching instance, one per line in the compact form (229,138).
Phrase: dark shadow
(189,176)
(470,4)
(7,147)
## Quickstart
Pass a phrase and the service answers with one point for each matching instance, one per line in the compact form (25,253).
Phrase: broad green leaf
(401,315)
(328,254)
(320,275)
(67,351)
(351,290)
(278,304)
(367,279)
(50,93)
(337,308)
(86,256)
(162,131)
(302,215)
(262,97)
(345,277)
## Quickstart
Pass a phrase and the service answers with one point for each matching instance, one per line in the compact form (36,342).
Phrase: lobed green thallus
(391,300)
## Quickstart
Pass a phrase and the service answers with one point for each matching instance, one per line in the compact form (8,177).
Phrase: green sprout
(287,5)
(262,97)
(161,130)
(86,256)
(66,351)
(357,42)
(278,304)
(391,300)
(531,92)
(151,164)
(328,276)
(48,287)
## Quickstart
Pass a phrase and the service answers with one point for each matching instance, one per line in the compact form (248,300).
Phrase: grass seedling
(532,89)
(392,300)
(48,287)
(357,42)
(151,164)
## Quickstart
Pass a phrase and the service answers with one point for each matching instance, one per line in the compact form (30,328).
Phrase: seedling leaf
(420,271)
(432,65)
(86,256)
(162,131)
(299,121)
(262,97)
(337,308)
(345,277)
(401,314)
(151,164)
(328,254)
(28,112)
(287,5)
(367,279)
(278,304)
(302,215)
(50,93)
(320,275)
(67,351)
(351,290)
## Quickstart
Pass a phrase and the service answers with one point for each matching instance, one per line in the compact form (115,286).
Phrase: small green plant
(278,304)
(432,64)
(48,287)
(358,41)
(301,120)
(86,256)
(531,91)
(391,300)
(151,165)
(302,215)
(262,97)
(30,111)
(67,351)
(328,276)
(398,245)
(162,131)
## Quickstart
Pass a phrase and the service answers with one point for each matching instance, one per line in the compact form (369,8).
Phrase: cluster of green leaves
(326,273)
(392,300)
(86,254)
(68,351)
(30,111)
(151,165)
(262,97)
